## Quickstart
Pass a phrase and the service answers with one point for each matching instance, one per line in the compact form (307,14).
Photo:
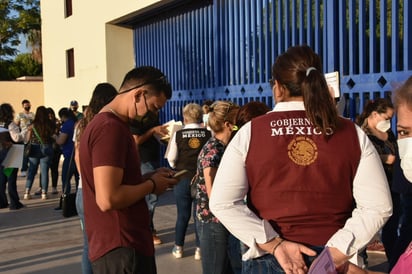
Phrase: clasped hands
(290,257)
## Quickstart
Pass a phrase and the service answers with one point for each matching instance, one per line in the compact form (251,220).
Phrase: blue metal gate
(224,49)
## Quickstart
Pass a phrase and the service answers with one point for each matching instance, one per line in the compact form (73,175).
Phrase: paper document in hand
(175,126)
(323,264)
(172,127)
(14,156)
(332,79)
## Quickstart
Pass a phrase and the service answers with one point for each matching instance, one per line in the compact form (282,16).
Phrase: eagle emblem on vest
(194,143)
(302,151)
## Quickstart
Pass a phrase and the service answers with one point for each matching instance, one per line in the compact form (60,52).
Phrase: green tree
(9,33)
(29,23)
(19,17)
(26,65)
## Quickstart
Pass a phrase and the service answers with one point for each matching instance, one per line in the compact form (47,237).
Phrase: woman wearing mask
(375,120)
(41,138)
(403,179)
(303,169)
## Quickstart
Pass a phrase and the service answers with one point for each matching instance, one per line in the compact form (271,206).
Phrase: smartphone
(180,173)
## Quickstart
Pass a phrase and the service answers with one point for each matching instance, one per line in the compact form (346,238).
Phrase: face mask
(383,126)
(142,121)
(405,153)
(26,108)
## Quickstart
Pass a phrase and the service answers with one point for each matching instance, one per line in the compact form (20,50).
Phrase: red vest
(300,181)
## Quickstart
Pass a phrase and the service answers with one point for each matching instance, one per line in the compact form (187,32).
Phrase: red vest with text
(300,181)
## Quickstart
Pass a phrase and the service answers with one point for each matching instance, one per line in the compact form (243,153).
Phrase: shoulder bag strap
(37,135)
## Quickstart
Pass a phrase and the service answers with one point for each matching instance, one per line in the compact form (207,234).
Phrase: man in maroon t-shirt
(113,188)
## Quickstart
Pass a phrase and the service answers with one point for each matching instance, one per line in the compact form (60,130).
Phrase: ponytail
(319,104)
(299,69)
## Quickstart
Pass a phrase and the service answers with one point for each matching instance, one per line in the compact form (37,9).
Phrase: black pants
(124,260)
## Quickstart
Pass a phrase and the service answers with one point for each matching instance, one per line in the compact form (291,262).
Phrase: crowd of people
(42,136)
(269,190)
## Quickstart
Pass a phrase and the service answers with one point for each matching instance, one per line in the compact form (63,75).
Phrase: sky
(22,47)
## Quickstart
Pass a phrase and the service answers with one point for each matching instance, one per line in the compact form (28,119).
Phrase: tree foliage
(19,17)
(9,32)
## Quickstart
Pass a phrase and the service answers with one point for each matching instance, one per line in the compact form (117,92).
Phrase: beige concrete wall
(102,52)
(13,92)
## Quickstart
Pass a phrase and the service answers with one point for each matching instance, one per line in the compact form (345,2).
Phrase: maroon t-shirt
(107,141)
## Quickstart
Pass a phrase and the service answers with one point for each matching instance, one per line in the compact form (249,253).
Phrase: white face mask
(383,125)
(405,153)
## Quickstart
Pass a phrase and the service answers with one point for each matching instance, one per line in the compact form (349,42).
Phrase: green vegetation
(20,17)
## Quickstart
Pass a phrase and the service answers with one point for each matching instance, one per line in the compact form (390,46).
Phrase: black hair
(147,75)
(6,113)
(67,113)
(380,105)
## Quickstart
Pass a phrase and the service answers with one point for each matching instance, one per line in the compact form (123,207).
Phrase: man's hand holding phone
(162,179)
(180,173)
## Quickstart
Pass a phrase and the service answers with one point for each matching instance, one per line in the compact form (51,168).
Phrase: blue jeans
(267,264)
(36,157)
(151,199)
(214,248)
(86,265)
(68,171)
(186,206)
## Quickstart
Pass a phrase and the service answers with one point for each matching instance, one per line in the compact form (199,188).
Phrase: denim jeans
(11,182)
(151,199)
(267,264)
(86,265)
(405,231)
(214,248)
(124,260)
(35,158)
(68,171)
(186,206)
